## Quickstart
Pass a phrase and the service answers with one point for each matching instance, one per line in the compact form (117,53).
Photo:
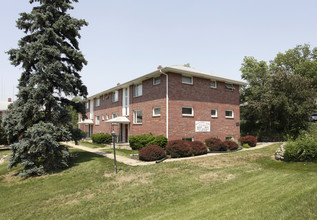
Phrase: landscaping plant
(101,138)
(250,140)
(215,144)
(151,153)
(50,60)
(179,149)
(197,148)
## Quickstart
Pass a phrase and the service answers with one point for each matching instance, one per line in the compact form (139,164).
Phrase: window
(87,105)
(98,102)
(229,87)
(115,96)
(187,139)
(187,111)
(97,122)
(156,111)
(213,84)
(187,79)
(125,101)
(107,116)
(229,114)
(137,90)
(229,138)
(137,117)
(214,113)
(114,115)
(103,117)
(156,80)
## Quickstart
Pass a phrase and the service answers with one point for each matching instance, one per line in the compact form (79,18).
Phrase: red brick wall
(199,96)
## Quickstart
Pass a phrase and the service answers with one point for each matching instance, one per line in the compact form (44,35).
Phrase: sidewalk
(133,162)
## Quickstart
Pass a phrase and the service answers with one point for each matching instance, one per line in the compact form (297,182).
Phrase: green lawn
(239,185)
(121,152)
(92,145)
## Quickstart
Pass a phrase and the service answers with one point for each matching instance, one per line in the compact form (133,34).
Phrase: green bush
(300,150)
(160,141)
(139,141)
(246,146)
(101,138)
(3,138)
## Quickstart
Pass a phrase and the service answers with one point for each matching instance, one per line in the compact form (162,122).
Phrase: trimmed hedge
(215,144)
(178,149)
(140,141)
(230,145)
(160,141)
(101,138)
(197,148)
(250,140)
(151,153)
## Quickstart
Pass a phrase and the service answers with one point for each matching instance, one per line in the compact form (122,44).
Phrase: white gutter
(166,102)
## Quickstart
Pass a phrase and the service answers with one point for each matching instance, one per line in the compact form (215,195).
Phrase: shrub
(174,142)
(250,140)
(230,145)
(140,141)
(197,148)
(101,138)
(303,149)
(151,153)
(178,149)
(215,144)
(160,141)
(246,146)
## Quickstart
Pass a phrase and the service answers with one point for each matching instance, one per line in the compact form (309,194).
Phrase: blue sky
(126,39)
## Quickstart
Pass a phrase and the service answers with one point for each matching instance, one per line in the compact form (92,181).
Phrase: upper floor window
(115,96)
(156,80)
(187,111)
(229,114)
(107,116)
(114,115)
(97,102)
(103,117)
(87,105)
(187,79)
(229,87)
(137,90)
(214,113)
(213,84)
(137,117)
(97,120)
(156,111)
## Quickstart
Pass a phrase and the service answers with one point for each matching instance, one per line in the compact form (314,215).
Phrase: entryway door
(124,131)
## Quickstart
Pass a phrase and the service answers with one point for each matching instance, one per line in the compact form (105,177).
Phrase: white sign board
(202,126)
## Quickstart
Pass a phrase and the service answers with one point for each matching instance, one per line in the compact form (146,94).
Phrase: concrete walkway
(133,162)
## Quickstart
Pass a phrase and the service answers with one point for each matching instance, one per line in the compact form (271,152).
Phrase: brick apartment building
(175,101)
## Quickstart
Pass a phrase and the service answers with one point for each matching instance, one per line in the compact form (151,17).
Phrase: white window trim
(192,80)
(214,87)
(154,111)
(137,85)
(107,116)
(97,102)
(102,117)
(97,121)
(214,116)
(156,78)
(135,118)
(115,96)
(229,116)
(188,114)
(229,87)
(87,105)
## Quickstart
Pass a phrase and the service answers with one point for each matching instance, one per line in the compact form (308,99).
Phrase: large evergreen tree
(51,61)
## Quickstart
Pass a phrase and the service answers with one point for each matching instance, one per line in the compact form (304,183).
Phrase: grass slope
(240,185)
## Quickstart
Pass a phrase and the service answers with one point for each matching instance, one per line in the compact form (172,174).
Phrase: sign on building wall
(202,126)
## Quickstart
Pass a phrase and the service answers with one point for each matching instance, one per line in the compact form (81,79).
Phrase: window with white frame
(115,96)
(103,117)
(156,80)
(156,111)
(125,101)
(97,120)
(137,90)
(137,117)
(213,84)
(115,115)
(97,102)
(107,116)
(187,111)
(229,87)
(87,105)
(214,113)
(229,114)
(187,79)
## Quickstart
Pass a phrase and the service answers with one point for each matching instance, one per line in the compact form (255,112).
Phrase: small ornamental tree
(51,61)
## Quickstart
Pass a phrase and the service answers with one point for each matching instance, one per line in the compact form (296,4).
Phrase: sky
(126,39)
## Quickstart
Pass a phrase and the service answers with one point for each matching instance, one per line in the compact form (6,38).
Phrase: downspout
(166,102)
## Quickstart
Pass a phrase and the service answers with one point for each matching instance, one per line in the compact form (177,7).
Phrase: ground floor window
(229,114)
(97,122)
(187,111)
(156,111)
(214,113)
(229,138)
(188,139)
(137,117)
